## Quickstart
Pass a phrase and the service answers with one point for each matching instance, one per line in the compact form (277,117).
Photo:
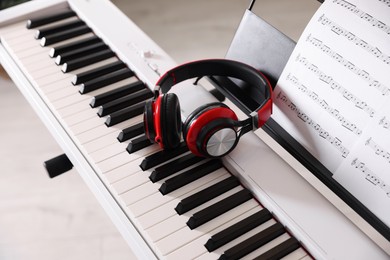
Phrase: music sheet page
(334,97)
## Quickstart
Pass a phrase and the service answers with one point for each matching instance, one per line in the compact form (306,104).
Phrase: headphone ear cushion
(171,125)
(149,127)
(198,111)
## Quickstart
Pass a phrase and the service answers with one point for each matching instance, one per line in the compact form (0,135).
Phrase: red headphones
(212,130)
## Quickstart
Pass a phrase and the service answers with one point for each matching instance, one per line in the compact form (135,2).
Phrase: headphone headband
(224,68)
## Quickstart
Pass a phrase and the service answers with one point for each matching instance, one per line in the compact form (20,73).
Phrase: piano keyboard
(185,207)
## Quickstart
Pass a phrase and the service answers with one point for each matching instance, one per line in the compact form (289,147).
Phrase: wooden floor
(42,218)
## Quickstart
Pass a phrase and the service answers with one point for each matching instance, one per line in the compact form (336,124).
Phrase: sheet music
(334,96)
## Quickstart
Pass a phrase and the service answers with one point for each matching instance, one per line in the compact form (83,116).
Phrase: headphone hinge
(255,119)
(156,91)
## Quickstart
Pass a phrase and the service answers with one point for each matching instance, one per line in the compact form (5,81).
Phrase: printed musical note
(335,86)
(385,123)
(370,176)
(358,41)
(386,2)
(378,150)
(365,16)
(322,103)
(384,90)
(336,142)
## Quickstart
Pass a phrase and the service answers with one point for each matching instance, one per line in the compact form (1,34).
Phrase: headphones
(211,130)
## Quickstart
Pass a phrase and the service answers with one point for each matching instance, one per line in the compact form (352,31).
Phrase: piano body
(276,211)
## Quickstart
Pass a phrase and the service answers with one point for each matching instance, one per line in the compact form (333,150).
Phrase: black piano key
(105,80)
(94,73)
(217,209)
(174,166)
(281,250)
(161,156)
(124,114)
(123,102)
(205,195)
(189,176)
(33,23)
(73,45)
(64,35)
(87,60)
(131,132)
(116,93)
(77,53)
(137,144)
(253,242)
(58,28)
(225,236)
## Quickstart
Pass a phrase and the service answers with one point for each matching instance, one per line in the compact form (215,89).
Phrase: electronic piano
(89,82)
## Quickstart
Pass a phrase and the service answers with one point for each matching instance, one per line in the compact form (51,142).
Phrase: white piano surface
(45,219)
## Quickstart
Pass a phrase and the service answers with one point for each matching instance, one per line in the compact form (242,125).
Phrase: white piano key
(100,131)
(53,78)
(46,72)
(280,239)
(32,67)
(73,110)
(82,110)
(37,57)
(196,247)
(300,253)
(61,93)
(123,158)
(22,43)
(100,144)
(61,84)
(109,139)
(60,97)
(158,214)
(69,100)
(28,52)
(218,252)
(185,235)
(85,113)
(139,192)
(108,152)
(123,171)
(176,222)
(131,182)
(157,199)
(94,134)
(14,30)
(86,125)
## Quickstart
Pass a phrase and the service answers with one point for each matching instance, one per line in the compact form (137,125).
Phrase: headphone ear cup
(194,125)
(170,121)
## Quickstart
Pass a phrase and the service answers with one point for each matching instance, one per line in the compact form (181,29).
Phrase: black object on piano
(58,165)
(33,23)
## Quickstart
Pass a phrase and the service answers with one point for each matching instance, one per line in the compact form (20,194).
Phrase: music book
(333,97)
